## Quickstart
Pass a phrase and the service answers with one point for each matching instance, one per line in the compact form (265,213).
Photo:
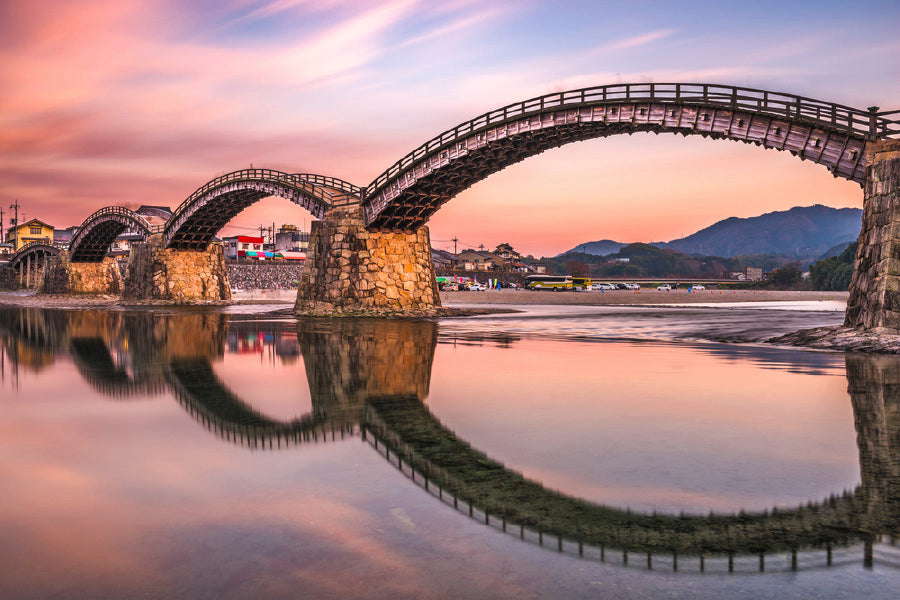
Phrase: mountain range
(803,233)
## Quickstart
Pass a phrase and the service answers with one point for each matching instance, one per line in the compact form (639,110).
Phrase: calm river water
(561,452)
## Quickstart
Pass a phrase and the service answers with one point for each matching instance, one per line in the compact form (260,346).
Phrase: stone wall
(178,276)
(350,269)
(61,276)
(874,302)
(264,275)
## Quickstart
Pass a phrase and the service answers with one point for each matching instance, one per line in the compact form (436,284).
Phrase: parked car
(697,287)
(622,286)
(476,287)
(664,287)
(628,286)
(602,286)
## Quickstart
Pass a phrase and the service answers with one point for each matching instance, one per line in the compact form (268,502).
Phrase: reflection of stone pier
(874,386)
(351,361)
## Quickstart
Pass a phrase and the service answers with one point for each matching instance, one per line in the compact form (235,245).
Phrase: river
(565,452)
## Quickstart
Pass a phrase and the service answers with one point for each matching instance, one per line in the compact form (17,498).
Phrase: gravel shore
(649,296)
(450,299)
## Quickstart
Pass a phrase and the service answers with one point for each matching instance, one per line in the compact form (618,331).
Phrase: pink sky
(142,102)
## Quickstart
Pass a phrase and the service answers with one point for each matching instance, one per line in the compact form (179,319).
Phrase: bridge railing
(120,211)
(331,182)
(868,124)
(316,185)
(51,246)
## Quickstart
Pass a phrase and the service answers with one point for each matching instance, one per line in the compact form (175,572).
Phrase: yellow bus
(581,284)
(549,282)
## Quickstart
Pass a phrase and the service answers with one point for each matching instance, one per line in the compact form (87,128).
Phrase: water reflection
(370,378)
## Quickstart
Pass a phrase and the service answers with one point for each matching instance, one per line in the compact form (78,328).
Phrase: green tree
(786,276)
(834,273)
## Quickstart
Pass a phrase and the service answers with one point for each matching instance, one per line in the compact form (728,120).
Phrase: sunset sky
(135,102)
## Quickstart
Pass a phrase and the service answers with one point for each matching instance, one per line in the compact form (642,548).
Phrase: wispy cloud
(635,41)
(142,99)
(462,23)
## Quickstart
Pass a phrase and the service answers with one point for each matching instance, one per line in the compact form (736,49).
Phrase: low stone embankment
(253,276)
(264,276)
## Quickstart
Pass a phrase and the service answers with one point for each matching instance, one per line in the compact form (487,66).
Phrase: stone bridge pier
(351,269)
(874,302)
(63,276)
(179,276)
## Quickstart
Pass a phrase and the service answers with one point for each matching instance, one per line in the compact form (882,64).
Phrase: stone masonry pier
(874,303)
(177,276)
(350,269)
(62,276)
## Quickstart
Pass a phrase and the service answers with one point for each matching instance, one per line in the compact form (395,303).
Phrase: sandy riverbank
(27,298)
(451,299)
(649,296)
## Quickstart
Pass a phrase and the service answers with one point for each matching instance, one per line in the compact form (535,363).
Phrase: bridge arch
(33,249)
(200,217)
(833,135)
(95,235)
(30,261)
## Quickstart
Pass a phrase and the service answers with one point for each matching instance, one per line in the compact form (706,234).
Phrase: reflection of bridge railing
(466,478)
(854,121)
(209,401)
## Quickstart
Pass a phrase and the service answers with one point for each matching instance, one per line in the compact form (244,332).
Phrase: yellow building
(30,231)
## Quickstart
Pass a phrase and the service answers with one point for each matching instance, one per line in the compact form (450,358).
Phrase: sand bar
(648,296)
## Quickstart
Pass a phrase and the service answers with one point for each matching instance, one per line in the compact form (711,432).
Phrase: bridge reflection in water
(368,379)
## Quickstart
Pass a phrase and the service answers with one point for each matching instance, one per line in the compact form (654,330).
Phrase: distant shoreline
(453,299)
(644,296)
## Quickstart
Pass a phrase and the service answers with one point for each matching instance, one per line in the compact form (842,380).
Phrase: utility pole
(261,229)
(15,224)
(481,247)
(2,233)
(454,240)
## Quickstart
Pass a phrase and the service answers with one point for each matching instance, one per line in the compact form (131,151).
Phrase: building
(442,260)
(473,260)
(64,236)
(155,215)
(507,253)
(239,245)
(754,274)
(291,238)
(34,230)
(121,246)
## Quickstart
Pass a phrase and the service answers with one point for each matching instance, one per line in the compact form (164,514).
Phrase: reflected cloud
(369,378)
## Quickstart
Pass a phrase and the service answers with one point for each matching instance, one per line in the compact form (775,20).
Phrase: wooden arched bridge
(412,189)
(203,214)
(365,231)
